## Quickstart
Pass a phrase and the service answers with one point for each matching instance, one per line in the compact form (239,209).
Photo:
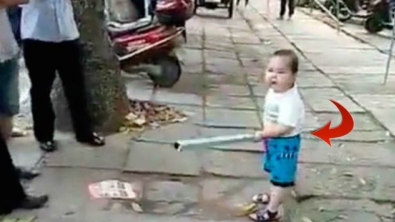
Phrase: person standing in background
(14,15)
(51,44)
(291,8)
(14,196)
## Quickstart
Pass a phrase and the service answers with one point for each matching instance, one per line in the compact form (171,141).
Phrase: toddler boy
(283,119)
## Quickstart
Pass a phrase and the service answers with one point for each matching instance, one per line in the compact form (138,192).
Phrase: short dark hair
(292,57)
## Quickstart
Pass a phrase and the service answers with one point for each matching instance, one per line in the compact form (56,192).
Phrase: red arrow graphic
(345,127)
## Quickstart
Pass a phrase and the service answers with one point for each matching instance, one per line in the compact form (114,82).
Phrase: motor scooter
(146,45)
(380,16)
(348,8)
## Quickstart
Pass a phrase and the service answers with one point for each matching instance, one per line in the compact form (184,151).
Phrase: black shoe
(26,174)
(48,146)
(93,140)
(33,202)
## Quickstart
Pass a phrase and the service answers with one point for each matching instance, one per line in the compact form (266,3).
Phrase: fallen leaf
(136,207)
(131,116)
(139,121)
(306,219)
(348,174)
(294,194)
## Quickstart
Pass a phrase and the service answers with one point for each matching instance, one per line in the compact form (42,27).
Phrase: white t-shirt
(48,21)
(285,108)
(8,45)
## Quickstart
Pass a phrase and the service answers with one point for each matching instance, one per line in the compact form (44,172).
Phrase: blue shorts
(281,160)
(9,87)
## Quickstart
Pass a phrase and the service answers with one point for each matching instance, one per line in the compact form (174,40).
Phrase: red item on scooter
(173,12)
(149,36)
(131,42)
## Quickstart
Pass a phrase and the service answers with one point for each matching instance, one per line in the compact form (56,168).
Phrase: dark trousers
(12,190)
(43,60)
(291,7)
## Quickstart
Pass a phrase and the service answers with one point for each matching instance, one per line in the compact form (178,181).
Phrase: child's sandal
(264,216)
(262,198)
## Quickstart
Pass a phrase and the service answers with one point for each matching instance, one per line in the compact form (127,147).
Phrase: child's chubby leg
(284,157)
(264,197)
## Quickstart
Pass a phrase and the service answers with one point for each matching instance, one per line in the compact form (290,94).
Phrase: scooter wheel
(170,72)
(344,15)
(373,25)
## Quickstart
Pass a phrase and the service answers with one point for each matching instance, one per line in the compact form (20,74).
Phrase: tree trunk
(107,99)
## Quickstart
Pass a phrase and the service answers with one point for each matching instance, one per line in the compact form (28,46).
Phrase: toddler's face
(279,75)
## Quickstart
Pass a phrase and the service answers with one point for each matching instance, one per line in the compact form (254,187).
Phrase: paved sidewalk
(224,59)
(355,28)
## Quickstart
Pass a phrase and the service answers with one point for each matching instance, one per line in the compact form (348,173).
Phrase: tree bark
(107,99)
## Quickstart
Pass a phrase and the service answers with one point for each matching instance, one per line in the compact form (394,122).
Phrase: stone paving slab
(227,90)
(343,210)
(214,54)
(143,90)
(195,41)
(106,216)
(219,45)
(25,152)
(381,106)
(171,191)
(346,182)
(224,101)
(161,159)
(366,88)
(352,70)
(171,133)
(230,68)
(233,164)
(367,136)
(362,121)
(317,80)
(73,154)
(322,103)
(347,153)
(69,197)
(214,80)
(230,118)
(366,84)
(343,55)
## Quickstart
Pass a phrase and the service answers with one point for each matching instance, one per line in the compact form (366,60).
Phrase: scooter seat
(116,29)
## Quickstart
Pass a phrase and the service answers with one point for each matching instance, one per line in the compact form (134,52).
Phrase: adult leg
(71,71)
(39,60)
(14,196)
(291,8)
(13,100)
(9,101)
(283,4)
